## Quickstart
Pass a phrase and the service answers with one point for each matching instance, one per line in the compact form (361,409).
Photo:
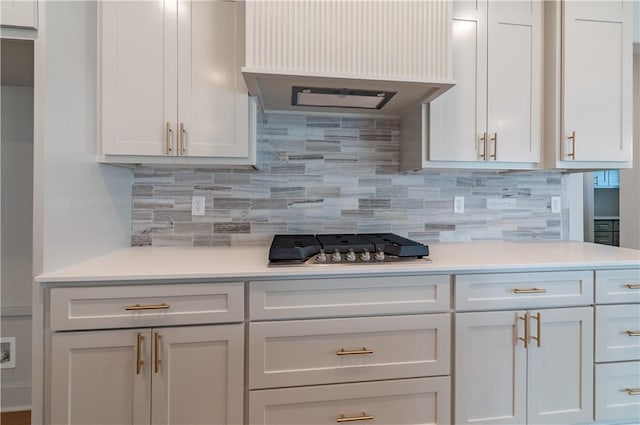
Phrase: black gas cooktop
(344,248)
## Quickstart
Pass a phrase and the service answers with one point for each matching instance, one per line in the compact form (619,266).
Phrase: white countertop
(241,262)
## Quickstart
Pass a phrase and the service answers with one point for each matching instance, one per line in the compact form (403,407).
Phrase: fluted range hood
(347,56)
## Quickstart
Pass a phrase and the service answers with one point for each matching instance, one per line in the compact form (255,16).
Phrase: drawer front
(603,225)
(604,238)
(400,402)
(145,305)
(618,392)
(310,352)
(617,332)
(315,298)
(618,286)
(523,290)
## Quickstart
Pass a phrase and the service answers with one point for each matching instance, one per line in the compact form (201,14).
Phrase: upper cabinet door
(213,105)
(19,14)
(597,81)
(514,80)
(138,74)
(458,118)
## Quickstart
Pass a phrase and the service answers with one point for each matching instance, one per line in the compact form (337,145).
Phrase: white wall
(630,179)
(82,209)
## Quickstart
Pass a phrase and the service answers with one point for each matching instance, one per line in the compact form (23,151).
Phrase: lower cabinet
(397,402)
(524,367)
(172,375)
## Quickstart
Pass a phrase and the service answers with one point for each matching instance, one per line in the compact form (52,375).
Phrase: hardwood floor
(16,418)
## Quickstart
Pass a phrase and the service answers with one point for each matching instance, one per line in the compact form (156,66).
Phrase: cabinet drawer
(145,305)
(604,238)
(603,226)
(309,352)
(313,298)
(615,395)
(618,286)
(523,290)
(410,401)
(617,332)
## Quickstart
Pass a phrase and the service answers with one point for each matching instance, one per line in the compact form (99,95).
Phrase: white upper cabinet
(171,87)
(588,84)
(492,117)
(19,14)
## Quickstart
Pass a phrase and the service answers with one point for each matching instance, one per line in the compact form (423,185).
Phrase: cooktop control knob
(379,256)
(321,257)
(336,257)
(351,256)
(365,256)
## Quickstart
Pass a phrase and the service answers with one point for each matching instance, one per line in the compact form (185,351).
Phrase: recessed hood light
(339,98)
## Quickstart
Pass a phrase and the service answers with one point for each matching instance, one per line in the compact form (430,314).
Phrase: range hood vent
(341,56)
(339,98)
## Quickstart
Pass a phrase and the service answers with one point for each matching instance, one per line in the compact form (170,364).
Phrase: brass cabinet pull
(183,147)
(538,326)
(363,417)
(525,339)
(494,139)
(139,360)
(148,307)
(632,391)
(572,155)
(156,345)
(632,286)
(483,139)
(168,139)
(343,352)
(530,291)
(633,333)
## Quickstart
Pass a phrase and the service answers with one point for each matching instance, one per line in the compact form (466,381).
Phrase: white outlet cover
(197,205)
(556,204)
(458,204)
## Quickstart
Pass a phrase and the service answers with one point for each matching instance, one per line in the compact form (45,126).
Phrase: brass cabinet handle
(363,417)
(156,345)
(483,139)
(632,391)
(572,155)
(530,291)
(343,352)
(148,307)
(538,326)
(525,339)
(139,360)
(632,286)
(183,147)
(168,139)
(633,333)
(494,139)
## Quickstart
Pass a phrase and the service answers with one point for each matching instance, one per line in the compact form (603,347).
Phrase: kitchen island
(217,335)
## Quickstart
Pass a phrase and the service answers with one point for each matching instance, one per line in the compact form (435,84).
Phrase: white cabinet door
(560,366)
(19,13)
(213,102)
(95,377)
(458,118)
(139,77)
(514,76)
(198,375)
(490,368)
(597,81)
(494,111)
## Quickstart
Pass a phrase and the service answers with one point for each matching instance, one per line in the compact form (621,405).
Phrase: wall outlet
(458,204)
(197,205)
(556,204)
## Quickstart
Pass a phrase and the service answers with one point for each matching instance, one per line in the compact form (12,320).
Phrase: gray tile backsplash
(338,174)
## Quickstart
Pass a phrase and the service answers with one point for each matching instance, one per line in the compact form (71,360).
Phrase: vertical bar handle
(483,139)
(168,132)
(572,155)
(156,346)
(525,339)
(139,360)
(494,139)
(183,148)
(538,326)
